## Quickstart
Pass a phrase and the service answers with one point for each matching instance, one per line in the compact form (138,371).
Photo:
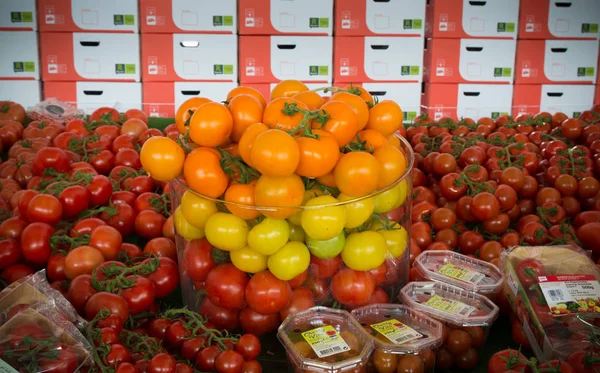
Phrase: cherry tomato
(165,278)
(116,304)
(35,242)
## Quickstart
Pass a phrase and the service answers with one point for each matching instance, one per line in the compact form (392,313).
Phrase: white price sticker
(566,294)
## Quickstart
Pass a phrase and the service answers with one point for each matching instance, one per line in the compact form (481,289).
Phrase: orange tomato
(82,260)
(275,153)
(357,174)
(232,149)
(288,88)
(245,144)
(372,139)
(385,117)
(275,118)
(136,113)
(242,194)
(342,123)
(245,110)
(364,94)
(203,173)
(393,164)
(162,158)
(241,90)
(328,179)
(286,191)
(319,156)
(394,141)
(358,104)
(211,124)
(312,99)
(186,110)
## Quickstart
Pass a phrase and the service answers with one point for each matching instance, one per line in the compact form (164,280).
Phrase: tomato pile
(75,201)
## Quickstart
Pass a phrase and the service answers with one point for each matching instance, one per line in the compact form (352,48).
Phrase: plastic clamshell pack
(430,329)
(459,270)
(471,308)
(317,317)
(54,110)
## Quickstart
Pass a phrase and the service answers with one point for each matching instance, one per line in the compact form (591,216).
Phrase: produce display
(130,244)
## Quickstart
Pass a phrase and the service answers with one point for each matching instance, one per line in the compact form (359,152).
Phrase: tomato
(274,117)
(191,347)
(198,259)
(35,243)
(211,124)
(342,121)
(357,212)
(323,223)
(507,360)
(50,157)
(241,90)
(385,117)
(203,173)
(247,140)
(205,360)
(184,228)
(161,247)
(100,190)
(165,278)
(82,260)
(267,294)
(459,342)
(326,249)
(162,363)
(44,208)
(469,242)
(74,200)
(352,288)
(268,236)
(302,299)
(162,157)
(197,210)
(80,291)
(229,362)
(528,271)
(140,296)
(241,194)
(396,239)
(393,164)
(10,253)
(588,235)
(364,251)
(287,88)
(245,110)
(289,261)
(258,324)
(186,110)
(10,110)
(226,231)
(134,127)
(116,304)
(285,191)
(222,318)
(467,360)
(584,362)
(225,286)
(357,174)
(275,153)
(148,224)
(311,99)
(359,106)
(107,240)
(410,364)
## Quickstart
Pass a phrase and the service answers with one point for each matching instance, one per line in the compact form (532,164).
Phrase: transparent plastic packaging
(467,318)
(325,340)
(32,290)
(53,110)
(555,294)
(39,339)
(460,270)
(401,336)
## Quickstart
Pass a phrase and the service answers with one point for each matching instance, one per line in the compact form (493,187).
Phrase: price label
(396,332)
(325,341)
(450,306)
(462,274)
(567,294)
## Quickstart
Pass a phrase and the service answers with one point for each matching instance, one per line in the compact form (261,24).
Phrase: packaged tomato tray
(552,289)
(404,340)
(466,317)
(39,339)
(460,270)
(53,110)
(325,340)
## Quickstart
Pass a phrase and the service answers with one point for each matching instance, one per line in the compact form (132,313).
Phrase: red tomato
(499,364)
(16,272)
(85,226)
(165,278)
(229,362)
(35,243)
(100,190)
(74,200)
(161,247)
(116,304)
(107,240)
(158,328)
(55,269)
(584,362)
(80,291)
(222,318)
(248,346)
(140,296)
(266,293)
(13,227)
(162,363)
(10,253)
(258,324)
(50,157)
(123,220)
(528,271)
(560,366)
(225,286)
(44,208)
(352,288)
(198,259)
(302,299)
(149,223)
(118,354)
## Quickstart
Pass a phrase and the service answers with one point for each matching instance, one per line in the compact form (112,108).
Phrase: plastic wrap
(53,110)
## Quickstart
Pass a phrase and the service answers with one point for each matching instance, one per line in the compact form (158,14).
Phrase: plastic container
(467,318)
(393,222)
(460,270)
(53,110)
(401,337)
(555,294)
(325,340)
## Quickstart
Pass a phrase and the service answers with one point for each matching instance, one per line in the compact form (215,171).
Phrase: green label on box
(316,70)
(222,69)
(29,66)
(125,68)
(496,114)
(129,19)
(124,19)
(409,70)
(316,22)
(24,66)
(413,24)
(589,28)
(506,27)
(585,71)
(222,20)
(130,68)
(502,72)
(409,116)
(576,114)
(21,17)
(5,368)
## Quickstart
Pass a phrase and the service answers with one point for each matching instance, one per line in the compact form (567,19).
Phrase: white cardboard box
(24,92)
(552,98)
(472,19)
(268,59)
(90,56)
(89,96)
(88,15)
(184,57)
(378,59)
(469,60)
(467,100)
(285,17)
(18,15)
(379,18)
(161,99)
(556,61)
(19,59)
(552,19)
(194,16)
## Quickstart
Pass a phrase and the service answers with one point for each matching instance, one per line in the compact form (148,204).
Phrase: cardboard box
(89,96)
(90,56)
(597,96)
(161,99)
(469,60)
(26,93)
(378,59)
(473,101)
(18,15)
(472,19)
(181,57)
(88,15)
(180,16)
(20,57)
(266,88)
(556,61)
(277,17)
(379,18)
(268,59)
(551,19)
(569,99)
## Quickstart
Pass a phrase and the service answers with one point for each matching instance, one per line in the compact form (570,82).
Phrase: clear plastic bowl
(325,340)
(460,270)
(400,331)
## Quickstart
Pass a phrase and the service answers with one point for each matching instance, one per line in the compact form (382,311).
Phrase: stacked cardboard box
(557,56)
(19,62)
(379,45)
(470,58)
(90,52)
(189,48)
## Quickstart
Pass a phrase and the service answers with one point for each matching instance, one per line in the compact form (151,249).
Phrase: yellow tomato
(357,212)
(162,158)
(289,261)
(323,223)
(184,228)
(226,231)
(364,251)
(396,238)
(248,260)
(196,210)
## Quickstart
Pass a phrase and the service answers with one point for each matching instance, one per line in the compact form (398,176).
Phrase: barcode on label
(330,351)
(405,338)
(556,295)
